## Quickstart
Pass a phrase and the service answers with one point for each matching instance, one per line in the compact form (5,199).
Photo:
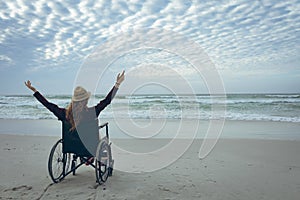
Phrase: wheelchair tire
(103,161)
(57,162)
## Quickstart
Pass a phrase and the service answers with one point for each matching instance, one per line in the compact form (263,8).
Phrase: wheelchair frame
(59,161)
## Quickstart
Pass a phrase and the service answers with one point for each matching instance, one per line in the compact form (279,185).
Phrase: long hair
(74,112)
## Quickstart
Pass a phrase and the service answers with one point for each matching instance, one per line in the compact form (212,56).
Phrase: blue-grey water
(257,107)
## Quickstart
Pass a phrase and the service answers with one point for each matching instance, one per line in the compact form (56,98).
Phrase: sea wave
(259,107)
(283,95)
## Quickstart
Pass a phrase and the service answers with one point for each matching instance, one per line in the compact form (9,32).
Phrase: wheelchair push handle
(102,125)
(106,128)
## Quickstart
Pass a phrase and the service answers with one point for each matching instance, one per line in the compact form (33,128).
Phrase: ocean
(249,107)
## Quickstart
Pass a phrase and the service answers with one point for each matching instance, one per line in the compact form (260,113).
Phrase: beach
(202,100)
(239,167)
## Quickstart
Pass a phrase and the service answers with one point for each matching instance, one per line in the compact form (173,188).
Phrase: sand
(237,168)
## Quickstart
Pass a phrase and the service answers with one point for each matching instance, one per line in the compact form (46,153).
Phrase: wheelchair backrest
(83,140)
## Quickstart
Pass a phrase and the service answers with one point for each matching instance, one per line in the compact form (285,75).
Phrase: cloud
(235,34)
(6,59)
(5,62)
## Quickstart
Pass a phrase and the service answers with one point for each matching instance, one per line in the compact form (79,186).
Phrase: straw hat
(80,94)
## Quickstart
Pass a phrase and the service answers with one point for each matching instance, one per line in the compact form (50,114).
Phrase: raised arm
(58,112)
(106,101)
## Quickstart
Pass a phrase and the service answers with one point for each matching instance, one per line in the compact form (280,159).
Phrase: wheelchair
(69,152)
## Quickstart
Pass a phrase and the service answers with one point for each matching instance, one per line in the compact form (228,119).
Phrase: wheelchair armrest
(106,128)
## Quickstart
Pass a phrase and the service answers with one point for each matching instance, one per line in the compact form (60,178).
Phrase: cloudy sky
(253,45)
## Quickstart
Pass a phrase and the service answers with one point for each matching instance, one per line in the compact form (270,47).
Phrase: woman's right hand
(28,84)
(120,78)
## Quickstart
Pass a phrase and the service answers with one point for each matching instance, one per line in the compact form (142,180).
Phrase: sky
(251,46)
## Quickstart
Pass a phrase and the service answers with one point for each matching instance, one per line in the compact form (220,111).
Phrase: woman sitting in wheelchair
(77,112)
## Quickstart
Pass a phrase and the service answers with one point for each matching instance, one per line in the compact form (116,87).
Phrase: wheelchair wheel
(103,162)
(58,162)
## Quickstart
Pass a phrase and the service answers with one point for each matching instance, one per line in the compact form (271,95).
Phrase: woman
(77,111)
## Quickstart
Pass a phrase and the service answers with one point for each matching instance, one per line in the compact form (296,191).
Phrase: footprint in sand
(22,187)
